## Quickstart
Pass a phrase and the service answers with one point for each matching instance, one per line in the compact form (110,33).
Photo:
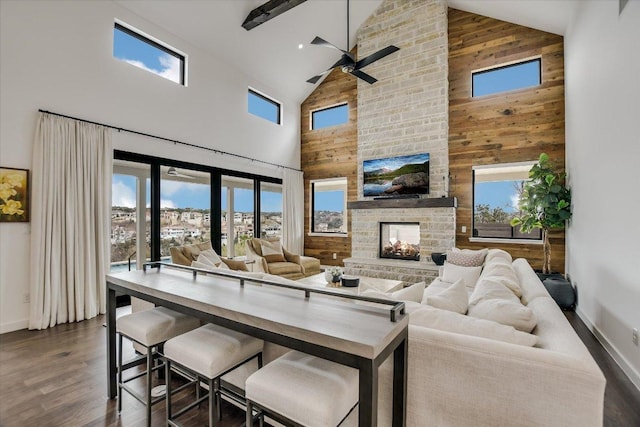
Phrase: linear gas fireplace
(400,240)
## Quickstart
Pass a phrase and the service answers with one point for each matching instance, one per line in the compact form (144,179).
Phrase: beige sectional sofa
(465,380)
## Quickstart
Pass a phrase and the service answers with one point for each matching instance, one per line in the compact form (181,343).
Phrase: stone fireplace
(404,112)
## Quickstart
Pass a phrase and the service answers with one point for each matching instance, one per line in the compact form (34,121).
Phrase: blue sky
(496,194)
(502,79)
(329,201)
(175,194)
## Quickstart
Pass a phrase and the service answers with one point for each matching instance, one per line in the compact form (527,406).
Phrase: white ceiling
(269,53)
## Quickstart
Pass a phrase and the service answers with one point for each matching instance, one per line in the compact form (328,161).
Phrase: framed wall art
(14,195)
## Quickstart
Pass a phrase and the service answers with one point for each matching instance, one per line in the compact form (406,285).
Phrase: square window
(505,78)
(139,50)
(330,116)
(262,106)
(329,206)
(496,195)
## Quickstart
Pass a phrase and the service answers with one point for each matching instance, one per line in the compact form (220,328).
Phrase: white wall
(602,68)
(57,56)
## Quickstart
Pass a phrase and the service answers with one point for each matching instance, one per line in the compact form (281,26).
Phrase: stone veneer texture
(405,112)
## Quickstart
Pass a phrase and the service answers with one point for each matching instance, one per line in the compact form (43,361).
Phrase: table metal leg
(400,366)
(368,387)
(112,389)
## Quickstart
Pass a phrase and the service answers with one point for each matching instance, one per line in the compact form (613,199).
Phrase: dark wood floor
(57,377)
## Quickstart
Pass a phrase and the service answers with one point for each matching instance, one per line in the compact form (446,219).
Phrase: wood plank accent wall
(507,127)
(330,153)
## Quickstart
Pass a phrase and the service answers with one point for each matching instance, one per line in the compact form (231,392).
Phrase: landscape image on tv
(396,175)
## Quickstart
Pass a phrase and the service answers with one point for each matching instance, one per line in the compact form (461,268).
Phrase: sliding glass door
(238,215)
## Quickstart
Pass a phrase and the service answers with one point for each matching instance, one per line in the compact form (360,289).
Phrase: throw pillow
(230,264)
(492,300)
(410,293)
(272,251)
(452,273)
(460,324)
(453,298)
(466,257)
(203,265)
(211,255)
(497,253)
(501,271)
(203,259)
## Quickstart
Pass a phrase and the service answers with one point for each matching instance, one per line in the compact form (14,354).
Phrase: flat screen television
(401,175)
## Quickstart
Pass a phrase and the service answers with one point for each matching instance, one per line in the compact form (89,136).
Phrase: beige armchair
(269,256)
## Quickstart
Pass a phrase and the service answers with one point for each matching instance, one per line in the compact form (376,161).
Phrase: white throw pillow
(449,321)
(203,266)
(211,255)
(452,273)
(203,259)
(492,300)
(453,298)
(410,293)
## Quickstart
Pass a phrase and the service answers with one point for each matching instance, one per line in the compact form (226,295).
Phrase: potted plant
(545,203)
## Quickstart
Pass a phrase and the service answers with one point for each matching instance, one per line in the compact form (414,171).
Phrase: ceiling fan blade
(364,76)
(376,56)
(322,42)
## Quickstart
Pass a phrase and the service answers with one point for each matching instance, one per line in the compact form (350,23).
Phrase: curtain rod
(175,141)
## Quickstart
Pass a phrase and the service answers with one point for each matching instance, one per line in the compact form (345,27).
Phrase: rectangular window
(496,193)
(329,206)
(331,116)
(270,210)
(139,50)
(262,106)
(507,77)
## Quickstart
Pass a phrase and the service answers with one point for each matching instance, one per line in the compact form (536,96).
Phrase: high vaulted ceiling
(269,53)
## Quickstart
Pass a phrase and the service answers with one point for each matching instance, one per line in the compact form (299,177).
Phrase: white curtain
(293,211)
(70,231)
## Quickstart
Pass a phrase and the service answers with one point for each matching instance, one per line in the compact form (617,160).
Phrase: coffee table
(381,285)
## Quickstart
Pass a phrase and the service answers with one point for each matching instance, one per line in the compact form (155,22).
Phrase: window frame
(330,107)
(513,240)
(312,208)
(145,38)
(270,101)
(503,66)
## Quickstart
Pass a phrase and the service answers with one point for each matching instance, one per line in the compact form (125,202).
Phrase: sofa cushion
(449,321)
(497,253)
(284,268)
(492,300)
(231,264)
(452,273)
(452,298)
(272,251)
(467,257)
(500,270)
(411,293)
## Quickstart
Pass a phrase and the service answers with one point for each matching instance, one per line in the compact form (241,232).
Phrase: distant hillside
(384,174)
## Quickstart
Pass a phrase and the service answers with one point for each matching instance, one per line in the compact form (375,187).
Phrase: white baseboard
(14,326)
(610,348)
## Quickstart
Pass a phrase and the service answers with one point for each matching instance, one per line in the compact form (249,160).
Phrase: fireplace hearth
(400,240)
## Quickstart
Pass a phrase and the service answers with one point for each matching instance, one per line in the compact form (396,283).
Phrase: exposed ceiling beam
(267,11)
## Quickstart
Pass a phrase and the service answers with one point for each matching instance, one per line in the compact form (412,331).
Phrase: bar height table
(297,317)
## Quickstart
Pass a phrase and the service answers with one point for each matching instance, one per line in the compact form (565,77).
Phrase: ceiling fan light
(347,68)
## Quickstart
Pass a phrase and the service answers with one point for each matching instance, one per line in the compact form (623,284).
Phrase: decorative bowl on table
(439,257)
(350,281)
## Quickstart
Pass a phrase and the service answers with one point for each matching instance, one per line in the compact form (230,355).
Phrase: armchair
(270,257)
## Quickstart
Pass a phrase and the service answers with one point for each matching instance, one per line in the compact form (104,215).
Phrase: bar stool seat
(149,328)
(208,352)
(303,389)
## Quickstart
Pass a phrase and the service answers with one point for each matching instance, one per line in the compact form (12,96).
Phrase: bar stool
(208,353)
(150,329)
(299,389)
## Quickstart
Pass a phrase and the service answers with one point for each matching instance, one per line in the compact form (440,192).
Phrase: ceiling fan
(174,172)
(348,61)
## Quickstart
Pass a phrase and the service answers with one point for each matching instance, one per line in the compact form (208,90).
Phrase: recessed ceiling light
(300,46)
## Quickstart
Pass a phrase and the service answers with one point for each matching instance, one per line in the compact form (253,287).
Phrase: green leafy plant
(545,204)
